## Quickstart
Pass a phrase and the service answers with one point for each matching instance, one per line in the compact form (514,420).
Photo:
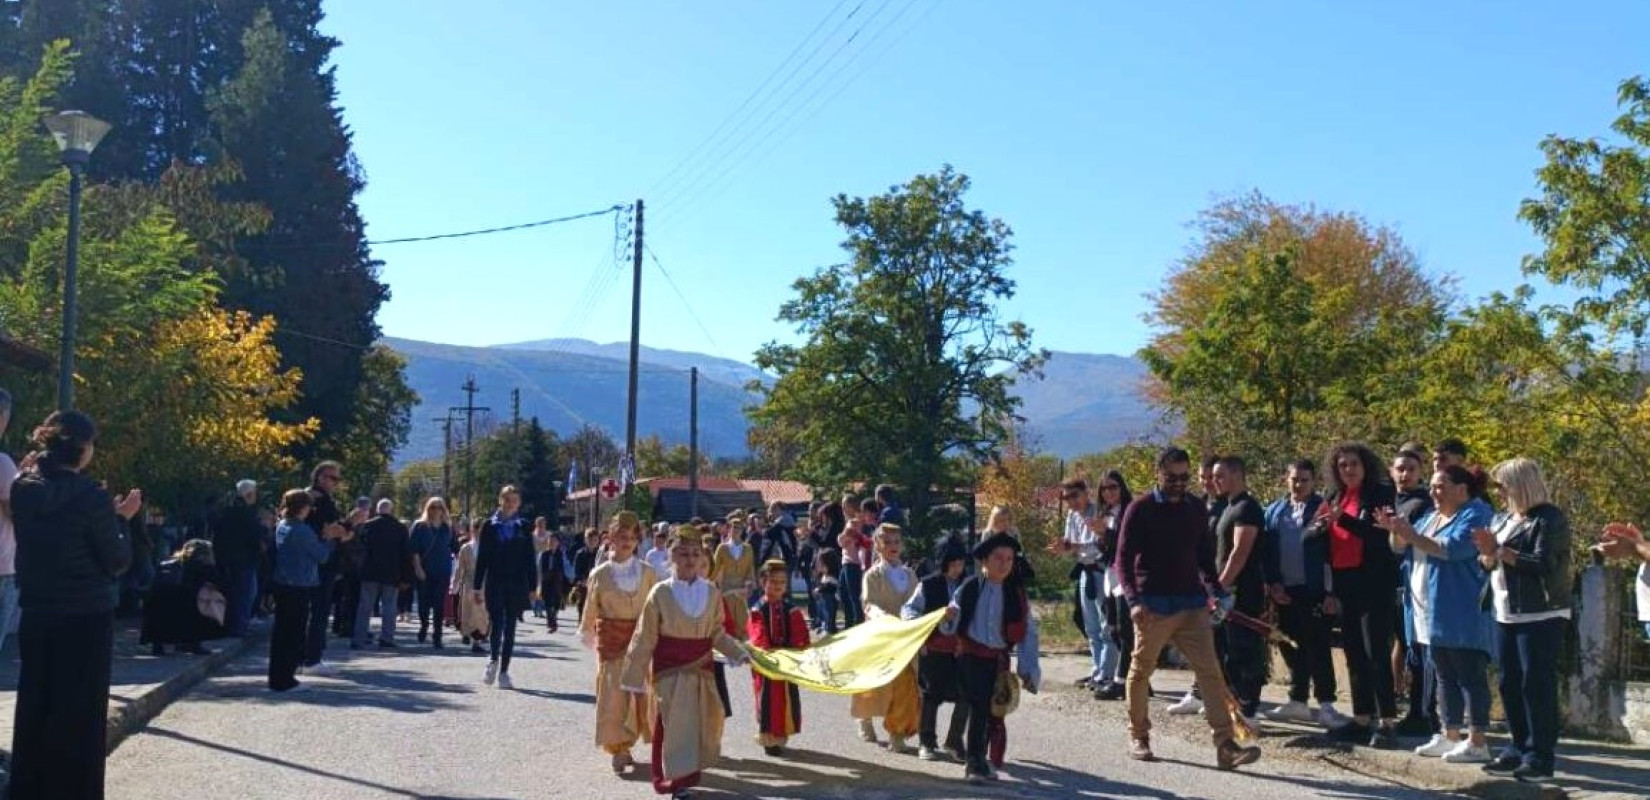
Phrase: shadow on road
(581,698)
(279,762)
(390,689)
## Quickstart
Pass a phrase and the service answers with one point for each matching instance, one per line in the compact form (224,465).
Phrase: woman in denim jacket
(1445,591)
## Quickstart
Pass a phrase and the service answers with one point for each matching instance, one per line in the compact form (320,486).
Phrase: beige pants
(1191,634)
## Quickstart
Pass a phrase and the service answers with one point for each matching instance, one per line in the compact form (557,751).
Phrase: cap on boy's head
(992,543)
(773,565)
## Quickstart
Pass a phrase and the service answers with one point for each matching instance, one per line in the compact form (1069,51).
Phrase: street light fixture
(77,134)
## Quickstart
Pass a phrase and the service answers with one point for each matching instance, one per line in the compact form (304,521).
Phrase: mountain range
(1084,402)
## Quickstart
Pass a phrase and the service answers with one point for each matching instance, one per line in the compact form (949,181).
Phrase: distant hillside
(565,390)
(1085,402)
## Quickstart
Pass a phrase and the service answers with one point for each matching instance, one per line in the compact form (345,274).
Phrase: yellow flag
(859,659)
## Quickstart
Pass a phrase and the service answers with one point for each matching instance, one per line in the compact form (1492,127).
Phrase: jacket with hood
(71,546)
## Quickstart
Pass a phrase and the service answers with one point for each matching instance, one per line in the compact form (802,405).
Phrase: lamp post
(77,134)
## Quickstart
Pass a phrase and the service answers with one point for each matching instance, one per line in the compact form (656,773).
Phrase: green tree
(381,421)
(905,351)
(539,472)
(1285,328)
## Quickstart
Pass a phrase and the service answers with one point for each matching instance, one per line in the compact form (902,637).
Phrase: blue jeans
(1091,596)
(851,583)
(1529,688)
(1463,685)
(242,593)
(385,600)
(828,602)
(8,606)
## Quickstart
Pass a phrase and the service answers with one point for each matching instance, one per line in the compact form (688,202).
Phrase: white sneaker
(1187,706)
(491,674)
(927,753)
(1330,717)
(867,731)
(1437,747)
(504,681)
(1291,711)
(1465,753)
(323,668)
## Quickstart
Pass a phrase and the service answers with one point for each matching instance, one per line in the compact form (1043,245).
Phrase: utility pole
(635,334)
(693,442)
(446,453)
(470,408)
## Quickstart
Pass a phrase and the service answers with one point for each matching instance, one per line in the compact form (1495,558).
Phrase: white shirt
(1642,591)
(1079,533)
(691,597)
(659,560)
(900,577)
(735,548)
(8,535)
(627,574)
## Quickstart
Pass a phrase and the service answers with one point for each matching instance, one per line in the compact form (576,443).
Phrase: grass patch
(1055,625)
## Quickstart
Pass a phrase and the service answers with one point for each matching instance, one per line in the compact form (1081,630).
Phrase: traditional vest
(936,594)
(1014,615)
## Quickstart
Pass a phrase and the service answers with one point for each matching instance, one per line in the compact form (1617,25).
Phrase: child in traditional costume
(681,622)
(937,661)
(887,585)
(617,590)
(776,624)
(988,615)
(473,623)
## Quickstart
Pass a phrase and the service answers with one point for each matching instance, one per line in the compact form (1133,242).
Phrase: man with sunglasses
(323,515)
(1166,561)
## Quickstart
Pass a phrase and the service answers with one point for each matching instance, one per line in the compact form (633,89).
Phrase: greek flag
(572,478)
(627,471)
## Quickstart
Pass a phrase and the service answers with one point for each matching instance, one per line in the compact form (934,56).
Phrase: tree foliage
(906,360)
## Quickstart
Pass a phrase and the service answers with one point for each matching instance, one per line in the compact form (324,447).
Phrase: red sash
(673,653)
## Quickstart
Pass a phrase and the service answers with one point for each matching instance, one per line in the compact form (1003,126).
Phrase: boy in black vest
(937,661)
(988,616)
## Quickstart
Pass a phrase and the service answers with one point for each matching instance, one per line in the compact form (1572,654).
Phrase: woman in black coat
(171,612)
(71,550)
(1365,577)
(553,569)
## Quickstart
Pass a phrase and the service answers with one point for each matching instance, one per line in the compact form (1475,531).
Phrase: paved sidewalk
(141,686)
(1586,770)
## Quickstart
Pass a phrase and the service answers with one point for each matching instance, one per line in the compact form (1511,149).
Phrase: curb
(1404,768)
(127,719)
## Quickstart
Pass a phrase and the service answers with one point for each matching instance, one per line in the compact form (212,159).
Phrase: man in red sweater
(1166,563)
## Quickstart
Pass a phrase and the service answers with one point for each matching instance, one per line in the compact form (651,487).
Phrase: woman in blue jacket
(299,554)
(1445,600)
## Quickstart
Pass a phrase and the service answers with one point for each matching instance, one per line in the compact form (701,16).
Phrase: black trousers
(977,679)
(1122,632)
(320,609)
(937,683)
(1311,666)
(286,642)
(432,599)
(60,730)
(1367,619)
(1244,658)
(504,606)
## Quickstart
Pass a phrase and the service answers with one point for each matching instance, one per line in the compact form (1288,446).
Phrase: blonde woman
(432,544)
(473,622)
(615,594)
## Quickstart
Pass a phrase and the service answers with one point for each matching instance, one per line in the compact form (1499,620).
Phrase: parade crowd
(1427,571)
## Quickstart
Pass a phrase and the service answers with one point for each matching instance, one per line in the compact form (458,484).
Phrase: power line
(504,228)
(685,303)
(799,116)
(715,172)
(665,181)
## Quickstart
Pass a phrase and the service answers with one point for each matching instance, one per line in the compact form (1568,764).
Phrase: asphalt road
(414,723)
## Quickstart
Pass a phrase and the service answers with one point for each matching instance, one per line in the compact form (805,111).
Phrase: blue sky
(1096,129)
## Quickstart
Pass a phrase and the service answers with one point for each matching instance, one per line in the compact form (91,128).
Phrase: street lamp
(77,134)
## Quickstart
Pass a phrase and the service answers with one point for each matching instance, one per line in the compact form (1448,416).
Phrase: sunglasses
(1177,477)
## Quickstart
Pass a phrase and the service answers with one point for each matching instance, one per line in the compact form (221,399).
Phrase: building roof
(676,505)
(789,493)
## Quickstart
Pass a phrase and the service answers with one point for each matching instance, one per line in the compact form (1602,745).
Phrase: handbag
(211,603)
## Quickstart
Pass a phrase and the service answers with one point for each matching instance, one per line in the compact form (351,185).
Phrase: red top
(1346,550)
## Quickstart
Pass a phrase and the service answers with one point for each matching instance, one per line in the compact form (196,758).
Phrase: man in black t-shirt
(1238,549)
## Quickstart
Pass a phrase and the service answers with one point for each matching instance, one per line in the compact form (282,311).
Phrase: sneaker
(1505,763)
(1438,747)
(897,745)
(491,674)
(867,731)
(1188,706)
(927,753)
(504,681)
(1331,718)
(1292,711)
(323,668)
(1414,725)
(974,778)
(1230,755)
(1466,753)
(1531,773)
(1110,690)
(991,773)
(1352,731)
(958,753)
(1141,750)
(1382,738)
